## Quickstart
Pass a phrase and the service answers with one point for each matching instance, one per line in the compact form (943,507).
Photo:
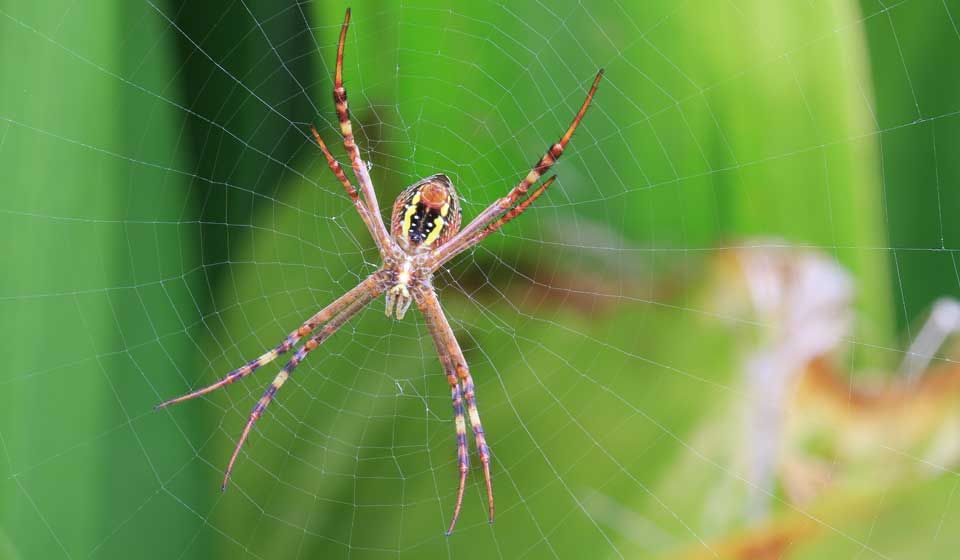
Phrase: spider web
(166,218)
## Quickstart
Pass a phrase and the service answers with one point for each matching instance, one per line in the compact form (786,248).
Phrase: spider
(424,235)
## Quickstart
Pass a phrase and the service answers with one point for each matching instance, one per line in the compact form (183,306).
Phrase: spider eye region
(426,213)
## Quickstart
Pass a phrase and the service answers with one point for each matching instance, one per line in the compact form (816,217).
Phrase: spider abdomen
(426,214)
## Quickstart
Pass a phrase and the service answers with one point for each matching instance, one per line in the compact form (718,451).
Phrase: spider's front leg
(331,317)
(462,389)
(360,291)
(313,343)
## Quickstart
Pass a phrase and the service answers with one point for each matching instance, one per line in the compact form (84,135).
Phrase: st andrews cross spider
(424,235)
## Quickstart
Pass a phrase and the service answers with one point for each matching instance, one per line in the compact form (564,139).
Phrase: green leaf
(93,300)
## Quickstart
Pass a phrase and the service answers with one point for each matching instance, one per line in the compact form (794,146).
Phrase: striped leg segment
(338,171)
(379,236)
(349,142)
(458,375)
(463,458)
(478,437)
(504,219)
(556,150)
(238,373)
(516,210)
(325,332)
(468,236)
(289,342)
(261,405)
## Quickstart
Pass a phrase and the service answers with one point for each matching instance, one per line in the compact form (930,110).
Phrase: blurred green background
(164,218)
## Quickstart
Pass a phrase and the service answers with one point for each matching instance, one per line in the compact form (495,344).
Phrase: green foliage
(96,308)
(163,222)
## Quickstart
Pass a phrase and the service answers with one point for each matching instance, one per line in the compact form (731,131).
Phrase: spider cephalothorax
(425,215)
(424,235)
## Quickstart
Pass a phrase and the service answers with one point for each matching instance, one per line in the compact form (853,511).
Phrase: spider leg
(378,235)
(325,332)
(350,143)
(462,388)
(463,458)
(504,219)
(468,235)
(289,342)
(479,438)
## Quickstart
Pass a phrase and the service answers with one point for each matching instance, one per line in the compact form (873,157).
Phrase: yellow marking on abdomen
(437,227)
(408,216)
